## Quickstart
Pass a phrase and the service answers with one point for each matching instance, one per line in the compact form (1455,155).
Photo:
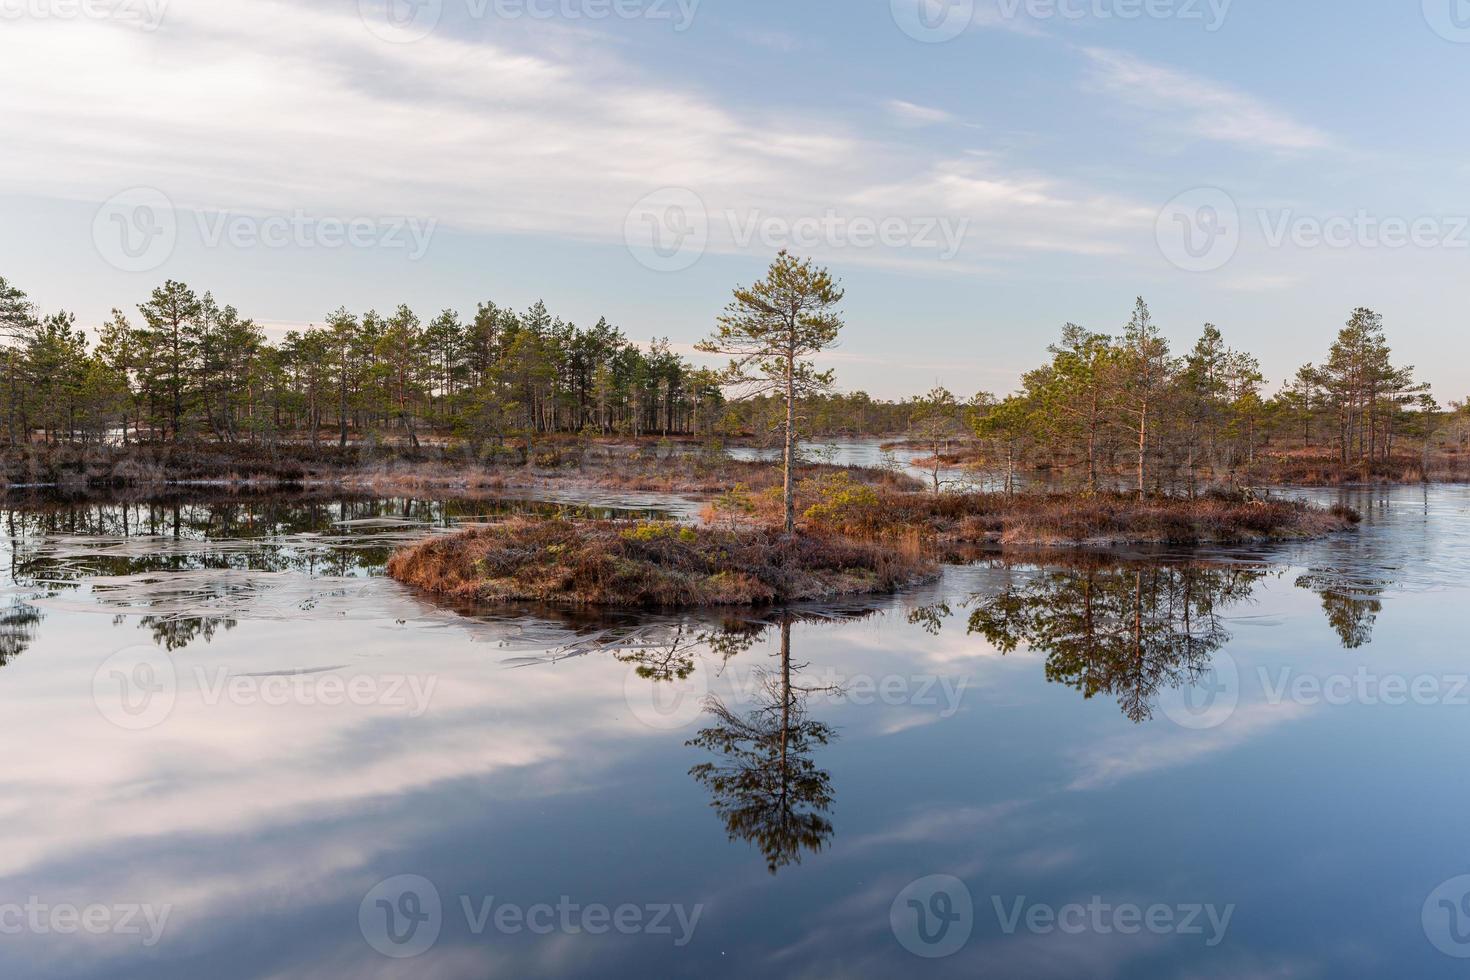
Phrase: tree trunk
(1193,433)
(1142,448)
(789,486)
(342,410)
(1092,451)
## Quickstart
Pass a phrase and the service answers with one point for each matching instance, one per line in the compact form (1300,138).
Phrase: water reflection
(1351,606)
(177,632)
(671,656)
(193,565)
(18,623)
(765,785)
(1134,629)
(188,567)
(1128,631)
(259,819)
(57,541)
(763,780)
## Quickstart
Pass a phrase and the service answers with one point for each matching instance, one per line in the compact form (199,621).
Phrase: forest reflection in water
(137,558)
(1131,630)
(1134,629)
(57,539)
(783,789)
(172,561)
(1126,628)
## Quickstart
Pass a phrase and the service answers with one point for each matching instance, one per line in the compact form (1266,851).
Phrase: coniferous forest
(1105,407)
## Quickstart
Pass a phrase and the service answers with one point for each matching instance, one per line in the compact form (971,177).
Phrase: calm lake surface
(870,452)
(237,750)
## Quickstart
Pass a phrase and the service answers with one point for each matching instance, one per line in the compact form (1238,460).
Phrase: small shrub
(842,504)
(734,507)
(649,532)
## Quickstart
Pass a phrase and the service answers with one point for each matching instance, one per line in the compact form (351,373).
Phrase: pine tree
(170,312)
(770,330)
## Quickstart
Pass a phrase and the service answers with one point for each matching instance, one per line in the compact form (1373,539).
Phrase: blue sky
(1265,166)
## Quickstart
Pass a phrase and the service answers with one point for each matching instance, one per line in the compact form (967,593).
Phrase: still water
(870,453)
(237,750)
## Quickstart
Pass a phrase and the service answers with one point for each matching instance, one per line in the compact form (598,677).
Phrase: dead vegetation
(862,530)
(833,504)
(658,466)
(1114,519)
(650,565)
(854,539)
(1320,466)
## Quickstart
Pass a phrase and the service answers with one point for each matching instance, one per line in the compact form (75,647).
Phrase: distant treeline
(185,366)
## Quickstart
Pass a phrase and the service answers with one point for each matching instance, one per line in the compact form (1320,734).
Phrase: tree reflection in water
(763,781)
(177,632)
(765,786)
(670,656)
(1351,606)
(56,540)
(118,547)
(18,623)
(184,567)
(1127,630)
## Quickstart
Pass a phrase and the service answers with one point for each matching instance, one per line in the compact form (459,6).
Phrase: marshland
(337,618)
(653,488)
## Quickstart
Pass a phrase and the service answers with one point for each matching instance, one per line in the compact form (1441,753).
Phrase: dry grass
(648,565)
(610,465)
(1321,466)
(1034,520)
(79,467)
(842,553)
(1280,464)
(1118,519)
(625,468)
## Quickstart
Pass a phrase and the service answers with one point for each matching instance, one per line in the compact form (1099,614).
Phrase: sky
(977,172)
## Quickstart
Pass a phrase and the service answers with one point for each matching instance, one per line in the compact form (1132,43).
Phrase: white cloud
(303,108)
(1141,752)
(1019,211)
(914,114)
(1198,106)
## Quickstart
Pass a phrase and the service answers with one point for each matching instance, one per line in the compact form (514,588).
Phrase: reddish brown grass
(648,565)
(609,465)
(1099,519)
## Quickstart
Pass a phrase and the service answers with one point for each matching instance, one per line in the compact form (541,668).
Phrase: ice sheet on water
(234,595)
